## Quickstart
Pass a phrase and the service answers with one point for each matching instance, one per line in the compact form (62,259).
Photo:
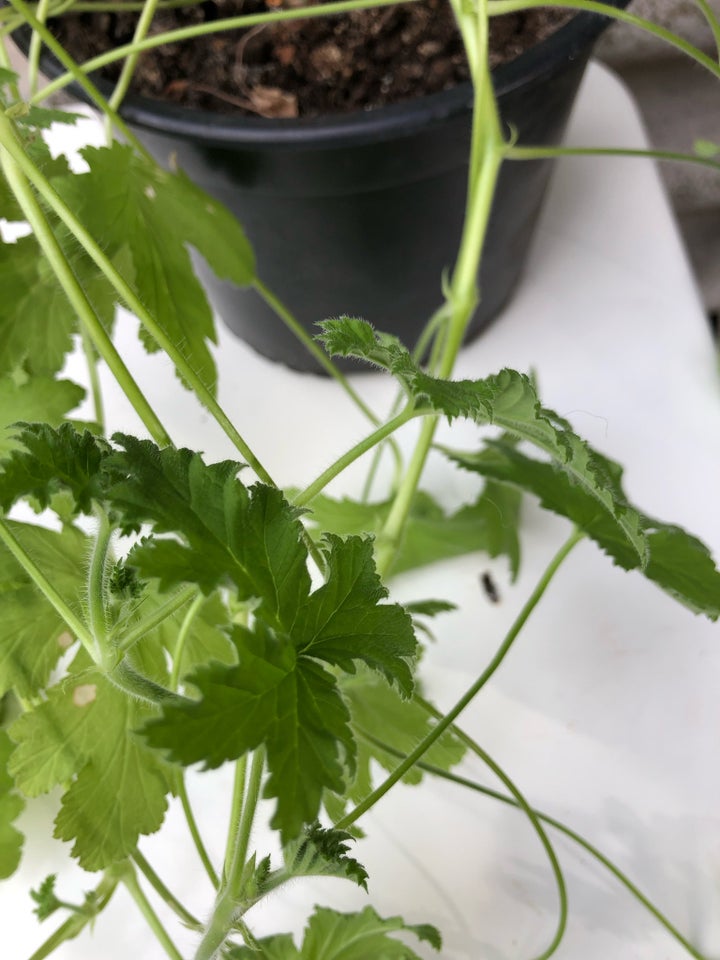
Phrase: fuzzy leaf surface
(321,852)
(125,201)
(11,806)
(272,696)
(48,460)
(32,634)
(490,524)
(677,562)
(232,534)
(41,398)
(84,734)
(330,935)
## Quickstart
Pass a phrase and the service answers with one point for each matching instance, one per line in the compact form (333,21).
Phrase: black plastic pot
(361,214)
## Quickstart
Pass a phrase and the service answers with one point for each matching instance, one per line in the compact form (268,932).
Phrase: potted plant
(181,612)
(358,194)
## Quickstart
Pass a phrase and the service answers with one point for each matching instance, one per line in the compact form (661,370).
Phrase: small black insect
(490,587)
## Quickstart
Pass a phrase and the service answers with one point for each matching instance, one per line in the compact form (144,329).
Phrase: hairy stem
(162,891)
(467,698)
(152,919)
(97,577)
(94,379)
(195,833)
(174,603)
(34,50)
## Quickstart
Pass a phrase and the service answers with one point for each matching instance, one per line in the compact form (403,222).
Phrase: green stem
(713,22)
(75,924)
(236,808)
(94,378)
(74,624)
(133,303)
(216,26)
(294,325)
(195,833)
(5,62)
(162,891)
(228,906)
(542,153)
(75,73)
(34,51)
(152,919)
(126,678)
(96,585)
(499,7)
(562,828)
(467,698)
(377,436)
(128,68)
(182,638)
(252,795)
(520,802)
(17,167)
(486,153)
(167,609)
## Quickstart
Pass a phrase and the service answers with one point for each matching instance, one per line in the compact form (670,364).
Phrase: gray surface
(680,102)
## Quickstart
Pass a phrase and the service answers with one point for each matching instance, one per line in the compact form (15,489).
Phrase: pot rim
(380,123)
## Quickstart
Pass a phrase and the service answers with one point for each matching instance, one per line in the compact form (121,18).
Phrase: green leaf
(270,696)
(343,621)
(344,936)
(32,634)
(128,202)
(83,733)
(358,936)
(49,461)
(250,538)
(41,117)
(429,608)
(323,852)
(678,562)
(490,524)
(207,639)
(40,398)
(46,898)
(11,806)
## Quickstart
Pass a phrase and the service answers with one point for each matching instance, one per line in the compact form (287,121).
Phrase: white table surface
(606,712)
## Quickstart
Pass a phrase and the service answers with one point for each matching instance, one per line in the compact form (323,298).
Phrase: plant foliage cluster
(210,617)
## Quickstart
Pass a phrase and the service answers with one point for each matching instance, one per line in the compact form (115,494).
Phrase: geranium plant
(165,612)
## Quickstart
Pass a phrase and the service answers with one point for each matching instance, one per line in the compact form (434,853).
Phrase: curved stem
(467,698)
(128,68)
(521,803)
(250,802)
(153,921)
(195,832)
(499,7)
(18,169)
(182,638)
(162,891)
(216,26)
(126,678)
(385,430)
(562,828)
